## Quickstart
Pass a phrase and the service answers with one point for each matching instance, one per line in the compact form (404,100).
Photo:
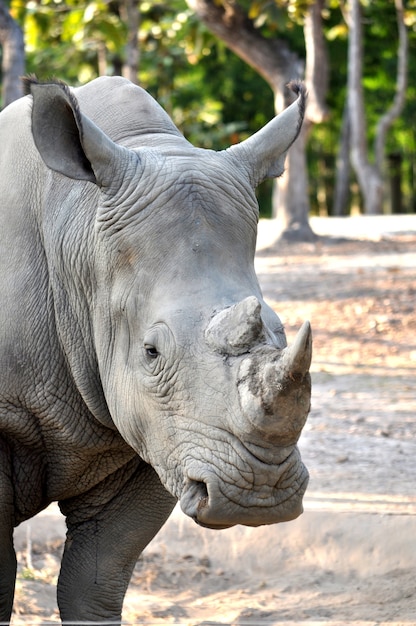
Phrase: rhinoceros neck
(40,378)
(43,252)
(69,244)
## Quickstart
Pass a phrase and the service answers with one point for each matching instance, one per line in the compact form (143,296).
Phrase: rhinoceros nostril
(202,495)
(194,498)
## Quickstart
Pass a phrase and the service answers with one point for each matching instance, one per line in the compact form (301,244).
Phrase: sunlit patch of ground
(350,558)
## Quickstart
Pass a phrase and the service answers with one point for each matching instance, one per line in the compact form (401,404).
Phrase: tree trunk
(130,14)
(13,63)
(395,175)
(317,64)
(289,201)
(369,179)
(342,182)
(370,176)
(277,64)
(401,84)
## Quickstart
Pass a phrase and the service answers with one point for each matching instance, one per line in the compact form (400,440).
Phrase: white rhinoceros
(139,362)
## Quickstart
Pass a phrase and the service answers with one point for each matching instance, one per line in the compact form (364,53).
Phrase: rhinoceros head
(193,364)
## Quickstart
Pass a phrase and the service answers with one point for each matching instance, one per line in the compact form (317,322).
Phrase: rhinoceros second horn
(235,329)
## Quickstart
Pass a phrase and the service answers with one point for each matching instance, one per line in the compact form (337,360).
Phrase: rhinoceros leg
(107,530)
(7,553)
(7,572)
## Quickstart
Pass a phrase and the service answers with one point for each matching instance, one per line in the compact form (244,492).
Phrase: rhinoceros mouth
(218,506)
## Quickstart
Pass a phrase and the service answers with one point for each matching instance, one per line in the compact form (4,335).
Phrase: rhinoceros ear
(263,154)
(69,142)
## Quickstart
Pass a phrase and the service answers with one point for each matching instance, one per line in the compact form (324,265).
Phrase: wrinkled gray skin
(139,363)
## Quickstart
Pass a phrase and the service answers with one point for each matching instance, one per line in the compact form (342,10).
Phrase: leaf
(340,31)
(255,10)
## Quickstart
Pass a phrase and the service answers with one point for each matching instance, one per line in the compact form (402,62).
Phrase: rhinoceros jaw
(215,502)
(215,511)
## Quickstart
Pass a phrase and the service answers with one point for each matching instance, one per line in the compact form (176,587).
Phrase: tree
(342,180)
(130,14)
(273,59)
(13,56)
(216,98)
(75,41)
(370,174)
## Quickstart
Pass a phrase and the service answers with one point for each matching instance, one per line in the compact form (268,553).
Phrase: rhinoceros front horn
(275,391)
(295,360)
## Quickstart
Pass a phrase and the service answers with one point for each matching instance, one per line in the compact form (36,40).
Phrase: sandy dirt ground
(351,557)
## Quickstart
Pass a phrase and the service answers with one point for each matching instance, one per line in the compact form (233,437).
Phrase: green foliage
(27,574)
(214,97)
(67,39)
(380,34)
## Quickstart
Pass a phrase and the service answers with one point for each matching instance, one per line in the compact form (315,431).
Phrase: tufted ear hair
(68,141)
(263,154)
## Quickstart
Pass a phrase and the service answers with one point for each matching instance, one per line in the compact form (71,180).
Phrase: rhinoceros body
(139,363)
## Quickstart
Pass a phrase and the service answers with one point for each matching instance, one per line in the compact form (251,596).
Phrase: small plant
(28,573)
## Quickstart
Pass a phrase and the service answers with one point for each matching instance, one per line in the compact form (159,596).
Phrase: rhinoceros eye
(151,351)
